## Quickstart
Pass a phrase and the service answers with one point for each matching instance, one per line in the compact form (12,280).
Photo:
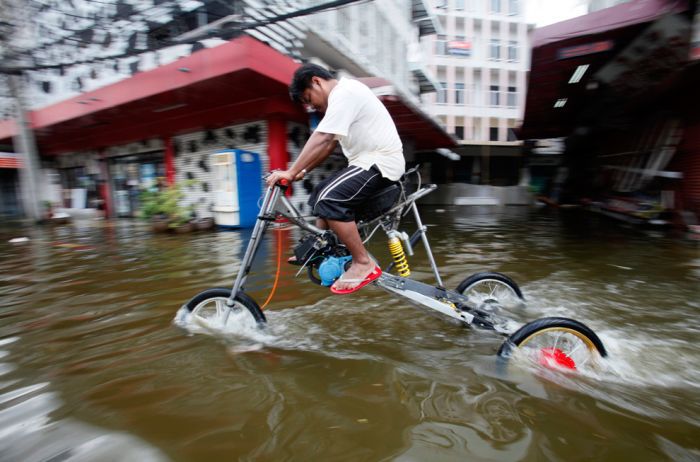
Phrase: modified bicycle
(552,341)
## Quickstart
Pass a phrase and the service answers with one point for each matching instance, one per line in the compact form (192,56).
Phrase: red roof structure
(587,44)
(241,80)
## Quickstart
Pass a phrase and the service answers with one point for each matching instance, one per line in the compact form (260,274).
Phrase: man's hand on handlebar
(277,175)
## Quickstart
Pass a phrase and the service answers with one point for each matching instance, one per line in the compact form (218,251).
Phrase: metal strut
(428,250)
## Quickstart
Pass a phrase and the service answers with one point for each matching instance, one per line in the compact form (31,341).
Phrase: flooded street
(92,366)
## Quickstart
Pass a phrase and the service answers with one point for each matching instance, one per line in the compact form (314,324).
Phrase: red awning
(584,44)
(411,122)
(606,20)
(240,80)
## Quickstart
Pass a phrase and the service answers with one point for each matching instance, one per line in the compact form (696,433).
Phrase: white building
(481,61)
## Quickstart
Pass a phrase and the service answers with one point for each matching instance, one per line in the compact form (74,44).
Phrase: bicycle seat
(379,203)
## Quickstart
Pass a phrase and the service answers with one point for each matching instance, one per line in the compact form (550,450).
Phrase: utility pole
(24,141)
(25,148)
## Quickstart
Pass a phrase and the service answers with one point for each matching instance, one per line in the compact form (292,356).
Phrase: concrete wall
(471,194)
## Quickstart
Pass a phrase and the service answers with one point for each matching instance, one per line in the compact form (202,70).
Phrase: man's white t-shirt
(364,129)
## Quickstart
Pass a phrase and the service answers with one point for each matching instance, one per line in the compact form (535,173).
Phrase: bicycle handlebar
(282,182)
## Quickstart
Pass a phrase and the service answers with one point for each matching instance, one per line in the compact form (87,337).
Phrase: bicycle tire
(476,278)
(222,293)
(537,328)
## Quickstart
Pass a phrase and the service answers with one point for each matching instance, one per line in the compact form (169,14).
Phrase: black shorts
(341,195)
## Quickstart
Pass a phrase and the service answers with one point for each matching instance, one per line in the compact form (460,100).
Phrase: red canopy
(584,44)
(240,80)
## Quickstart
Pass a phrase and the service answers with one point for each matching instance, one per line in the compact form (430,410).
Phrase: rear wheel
(555,342)
(487,288)
(209,308)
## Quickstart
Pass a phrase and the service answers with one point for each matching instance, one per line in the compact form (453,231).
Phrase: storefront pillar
(277,143)
(169,158)
(105,186)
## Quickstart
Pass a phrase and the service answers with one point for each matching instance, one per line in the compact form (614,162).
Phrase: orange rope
(277,274)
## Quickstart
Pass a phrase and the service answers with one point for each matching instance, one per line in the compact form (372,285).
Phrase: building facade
(125,110)
(481,60)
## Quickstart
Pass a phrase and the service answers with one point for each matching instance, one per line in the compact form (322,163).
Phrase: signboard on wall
(459,48)
(585,49)
(10,160)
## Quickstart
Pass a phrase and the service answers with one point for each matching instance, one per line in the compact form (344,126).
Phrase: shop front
(9,186)
(132,174)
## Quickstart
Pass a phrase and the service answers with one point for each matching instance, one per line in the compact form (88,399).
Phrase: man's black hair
(302,79)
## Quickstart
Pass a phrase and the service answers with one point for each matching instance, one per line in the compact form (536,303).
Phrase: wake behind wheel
(208,308)
(488,288)
(556,343)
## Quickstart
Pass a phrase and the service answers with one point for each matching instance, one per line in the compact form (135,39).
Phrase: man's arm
(318,147)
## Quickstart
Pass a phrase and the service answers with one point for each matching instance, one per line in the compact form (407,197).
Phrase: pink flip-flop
(376,272)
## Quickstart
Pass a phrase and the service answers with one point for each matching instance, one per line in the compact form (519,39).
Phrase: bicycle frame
(437,298)
(321,246)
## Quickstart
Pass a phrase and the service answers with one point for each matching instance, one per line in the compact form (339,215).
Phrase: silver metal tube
(295,216)
(412,198)
(255,239)
(426,244)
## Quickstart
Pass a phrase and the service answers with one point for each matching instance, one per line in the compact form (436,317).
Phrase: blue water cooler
(236,187)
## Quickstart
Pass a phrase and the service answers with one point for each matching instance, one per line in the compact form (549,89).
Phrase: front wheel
(555,342)
(209,308)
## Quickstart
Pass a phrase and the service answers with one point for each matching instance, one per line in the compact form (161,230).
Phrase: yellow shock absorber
(399,256)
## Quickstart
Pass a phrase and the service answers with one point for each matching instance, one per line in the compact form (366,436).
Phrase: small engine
(322,254)
(331,269)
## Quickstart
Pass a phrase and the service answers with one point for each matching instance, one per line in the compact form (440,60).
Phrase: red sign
(8,160)
(585,49)
(458,47)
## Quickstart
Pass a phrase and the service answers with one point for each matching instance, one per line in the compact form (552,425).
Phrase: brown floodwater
(92,366)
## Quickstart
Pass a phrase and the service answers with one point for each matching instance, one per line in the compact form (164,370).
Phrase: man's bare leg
(362,265)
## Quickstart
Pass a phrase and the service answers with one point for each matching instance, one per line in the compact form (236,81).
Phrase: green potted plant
(182,221)
(162,207)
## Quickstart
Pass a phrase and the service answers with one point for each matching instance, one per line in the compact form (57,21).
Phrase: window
(459,93)
(441,45)
(495,6)
(511,98)
(442,93)
(459,132)
(512,50)
(493,134)
(511,135)
(495,50)
(459,5)
(494,99)
(513,8)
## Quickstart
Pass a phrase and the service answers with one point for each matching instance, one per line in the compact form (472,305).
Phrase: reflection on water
(93,368)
